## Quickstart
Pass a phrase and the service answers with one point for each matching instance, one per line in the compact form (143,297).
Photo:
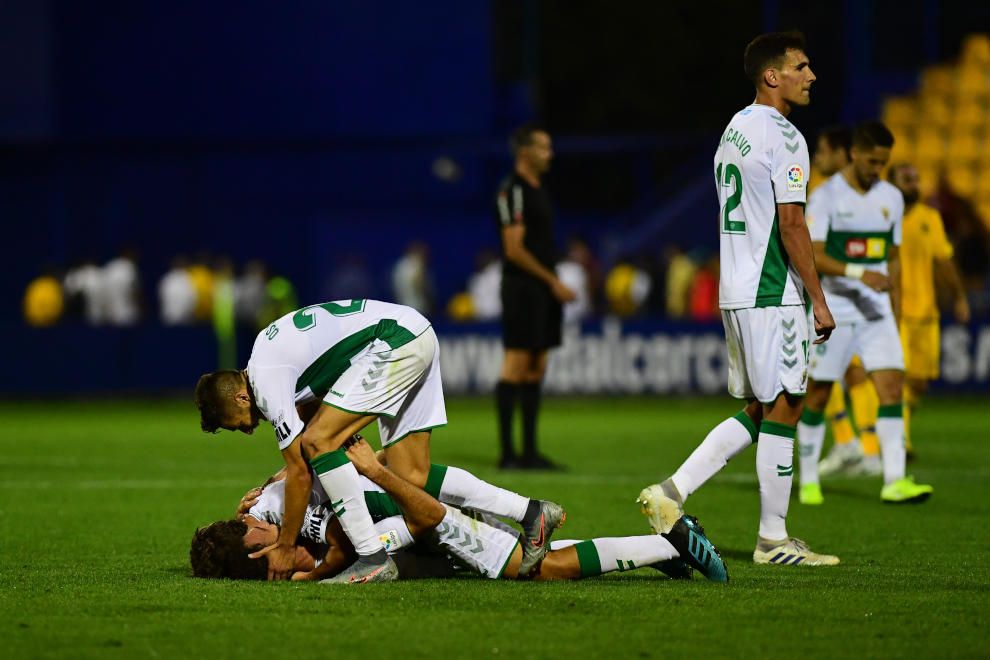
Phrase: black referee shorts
(531,316)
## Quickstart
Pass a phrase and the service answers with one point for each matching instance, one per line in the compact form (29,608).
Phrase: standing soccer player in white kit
(856,225)
(761,172)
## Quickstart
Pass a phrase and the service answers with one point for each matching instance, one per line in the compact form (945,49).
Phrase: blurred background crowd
(190,164)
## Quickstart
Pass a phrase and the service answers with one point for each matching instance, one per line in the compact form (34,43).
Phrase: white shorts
(877,343)
(485,546)
(401,385)
(768,351)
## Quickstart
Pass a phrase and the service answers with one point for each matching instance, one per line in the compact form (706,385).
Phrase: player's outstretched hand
(363,458)
(824,323)
(281,560)
(247,502)
(876,281)
(562,292)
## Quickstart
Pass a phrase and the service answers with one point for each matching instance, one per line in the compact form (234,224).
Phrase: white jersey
(270,507)
(762,161)
(860,229)
(300,356)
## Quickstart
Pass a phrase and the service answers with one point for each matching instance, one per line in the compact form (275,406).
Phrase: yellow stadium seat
(976,50)
(963,148)
(938,81)
(970,115)
(935,111)
(904,149)
(983,186)
(900,113)
(962,180)
(930,149)
(973,82)
(984,211)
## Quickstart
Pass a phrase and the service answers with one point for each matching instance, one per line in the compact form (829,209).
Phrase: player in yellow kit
(926,258)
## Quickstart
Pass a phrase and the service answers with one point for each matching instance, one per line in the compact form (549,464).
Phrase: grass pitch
(98,502)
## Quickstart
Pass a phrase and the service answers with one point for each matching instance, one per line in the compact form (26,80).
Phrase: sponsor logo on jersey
(886,212)
(390,540)
(795,178)
(282,431)
(871,248)
(336,393)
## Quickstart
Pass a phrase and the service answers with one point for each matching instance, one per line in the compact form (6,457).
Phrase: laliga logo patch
(390,540)
(886,212)
(795,178)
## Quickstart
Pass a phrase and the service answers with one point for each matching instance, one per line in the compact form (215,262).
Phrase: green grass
(98,501)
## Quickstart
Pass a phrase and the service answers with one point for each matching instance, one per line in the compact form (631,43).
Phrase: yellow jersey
(922,242)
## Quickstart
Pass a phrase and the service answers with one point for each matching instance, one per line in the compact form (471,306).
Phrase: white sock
(720,445)
(811,437)
(625,553)
(775,470)
(460,488)
(890,432)
(340,481)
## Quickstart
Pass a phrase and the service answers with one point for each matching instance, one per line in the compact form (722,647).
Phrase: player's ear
(770,77)
(242,398)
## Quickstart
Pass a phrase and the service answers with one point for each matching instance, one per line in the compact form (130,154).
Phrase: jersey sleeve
(817,215)
(898,211)
(941,247)
(509,204)
(274,392)
(789,168)
(271,503)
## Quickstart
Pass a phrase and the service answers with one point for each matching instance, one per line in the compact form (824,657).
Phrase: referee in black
(531,293)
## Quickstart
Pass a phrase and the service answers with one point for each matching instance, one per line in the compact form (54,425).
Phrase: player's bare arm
(831,266)
(947,273)
(298,483)
(797,242)
(516,252)
(894,270)
(422,512)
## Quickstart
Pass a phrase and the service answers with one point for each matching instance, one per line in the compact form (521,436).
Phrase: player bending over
(363,360)
(404,513)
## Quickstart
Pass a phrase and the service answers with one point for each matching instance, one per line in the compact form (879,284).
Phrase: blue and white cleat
(792,552)
(688,538)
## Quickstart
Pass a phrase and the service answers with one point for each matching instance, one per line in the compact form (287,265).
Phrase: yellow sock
(838,418)
(864,405)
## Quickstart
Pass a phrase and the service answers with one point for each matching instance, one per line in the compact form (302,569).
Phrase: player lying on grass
(347,363)
(404,513)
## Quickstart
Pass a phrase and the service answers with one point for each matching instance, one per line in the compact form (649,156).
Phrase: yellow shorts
(920,339)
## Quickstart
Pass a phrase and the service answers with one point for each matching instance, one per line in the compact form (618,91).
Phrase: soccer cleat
(811,494)
(905,491)
(676,569)
(688,538)
(363,572)
(661,510)
(869,466)
(792,552)
(840,459)
(537,535)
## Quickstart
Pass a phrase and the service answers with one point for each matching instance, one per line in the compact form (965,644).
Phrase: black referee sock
(529,398)
(505,402)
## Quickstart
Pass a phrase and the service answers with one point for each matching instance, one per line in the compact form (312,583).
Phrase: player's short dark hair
(837,136)
(218,551)
(768,50)
(215,397)
(871,134)
(523,136)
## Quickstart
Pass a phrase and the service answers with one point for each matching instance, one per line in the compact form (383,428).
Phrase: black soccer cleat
(688,538)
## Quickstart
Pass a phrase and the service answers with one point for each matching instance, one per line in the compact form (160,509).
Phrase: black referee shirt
(517,202)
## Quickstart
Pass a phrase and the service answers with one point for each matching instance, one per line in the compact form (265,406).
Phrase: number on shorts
(305,318)
(733,179)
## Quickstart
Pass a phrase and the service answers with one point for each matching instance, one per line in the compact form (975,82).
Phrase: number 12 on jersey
(733,180)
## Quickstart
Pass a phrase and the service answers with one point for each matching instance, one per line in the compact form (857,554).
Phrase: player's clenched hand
(961,310)
(876,281)
(281,560)
(562,292)
(247,502)
(824,323)
(363,458)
